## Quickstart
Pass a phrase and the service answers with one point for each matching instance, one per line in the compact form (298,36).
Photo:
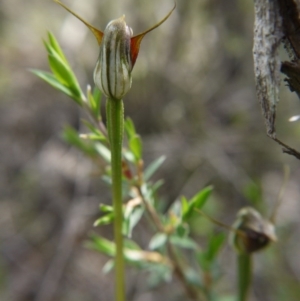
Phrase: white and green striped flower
(112,74)
(118,53)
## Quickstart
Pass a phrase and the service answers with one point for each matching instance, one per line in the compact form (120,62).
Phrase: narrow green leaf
(65,75)
(129,128)
(97,95)
(51,80)
(97,134)
(207,258)
(184,206)
(135,145)
(94,100)
(202,260)
(131,244)
(184,242)
(53,42)
(156,186)
(201,197)
(106,208)
(92,136)
(61,68)
(147,191)
(153,167)
(197,201)
(215,244)
(131,251)
(103,151)
(158,241)
(71,136)
(104,220)
(102,245)
(49,48)
(63,72)
(91,99)
(132,220)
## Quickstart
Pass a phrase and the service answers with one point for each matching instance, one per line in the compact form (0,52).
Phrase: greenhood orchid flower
(118,53)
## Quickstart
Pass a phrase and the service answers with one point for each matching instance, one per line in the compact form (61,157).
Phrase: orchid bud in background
(253,231)
(118,53)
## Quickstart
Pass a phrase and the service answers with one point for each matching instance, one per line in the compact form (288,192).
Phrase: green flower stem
(115,126)
(244,275)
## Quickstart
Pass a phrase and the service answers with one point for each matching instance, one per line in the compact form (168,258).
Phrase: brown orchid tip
(97,33)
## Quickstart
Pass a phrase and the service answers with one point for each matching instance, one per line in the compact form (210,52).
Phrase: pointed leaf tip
(97,33)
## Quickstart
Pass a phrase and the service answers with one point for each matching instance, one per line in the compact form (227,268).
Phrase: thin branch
(275,22)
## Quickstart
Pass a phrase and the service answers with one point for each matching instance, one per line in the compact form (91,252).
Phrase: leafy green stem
(178,269)
(115,126)
(244,275)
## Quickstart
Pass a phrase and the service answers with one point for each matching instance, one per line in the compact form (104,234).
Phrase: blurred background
(192,99)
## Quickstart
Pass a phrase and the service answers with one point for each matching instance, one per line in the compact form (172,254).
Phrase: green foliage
(134,140)
(158,241)
(62,77)
(132,216)
(196,202)
(95,134)
(153,167)
(183,242)
(208,257)
(94,100)
(71,136)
